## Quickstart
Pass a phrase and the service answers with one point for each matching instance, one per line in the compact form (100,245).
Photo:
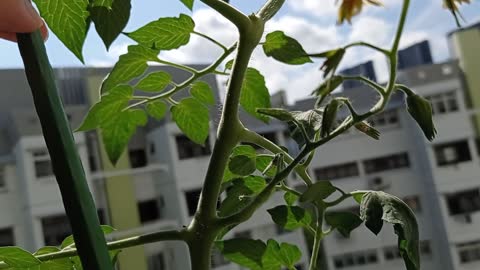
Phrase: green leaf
(18,258)
(69,241)
(256,255)
(333,59)
(229,65)
(68,21)
(245,150)
(318,191)
(378,206)
(327,87)
(310,120)
(240,194)
(101,3)
(188,3)
(290,198)
(192,118)
(156,109)
(254,94)
(117,132)
(289,255)
(255,183)
(165,33)
(277,255)
(421,110)
(110,18)
(290,217)
(330,117)
(285,49)
(245,252)
(154,82)
(265,165)
(129,66)
(368,130)
(358,195)
(343,222)
(280,114)
(202,91)
(107,108)
(242,165)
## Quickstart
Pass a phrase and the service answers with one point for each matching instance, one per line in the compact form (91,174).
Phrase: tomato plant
(251,178)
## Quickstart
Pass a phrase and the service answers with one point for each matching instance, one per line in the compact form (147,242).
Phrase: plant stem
(179,66)
(367,81)
(368,45)
(212,40)
(255,138)
(230,126)
(133,241)
(67,166)
(317,239)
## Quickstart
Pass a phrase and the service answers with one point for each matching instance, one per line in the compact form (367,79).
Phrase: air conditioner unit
(378,183)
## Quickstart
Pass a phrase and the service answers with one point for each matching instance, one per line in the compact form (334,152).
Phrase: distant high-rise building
(365,69)
(415,55)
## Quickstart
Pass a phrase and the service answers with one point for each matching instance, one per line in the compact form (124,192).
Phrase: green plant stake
(66,163)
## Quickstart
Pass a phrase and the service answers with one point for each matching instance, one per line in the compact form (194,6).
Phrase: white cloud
(322,8)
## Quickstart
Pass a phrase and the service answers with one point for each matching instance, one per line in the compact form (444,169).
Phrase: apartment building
(439,180)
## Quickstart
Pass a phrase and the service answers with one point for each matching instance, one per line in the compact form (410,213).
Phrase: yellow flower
(350,8)
(452,5)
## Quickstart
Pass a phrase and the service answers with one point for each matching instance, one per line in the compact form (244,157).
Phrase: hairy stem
(211,40)
(317,239)
(368,45)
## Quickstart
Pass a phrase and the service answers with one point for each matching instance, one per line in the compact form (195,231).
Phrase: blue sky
(312,22)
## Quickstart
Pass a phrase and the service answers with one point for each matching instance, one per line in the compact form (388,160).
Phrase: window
(271,136)
(138,158)
(452,153)
(464,202)
(156,262)
(152,148)
(6,237)
(414,203)
(469,252)
(43,165)
(337,171)
(355,259)
(2,177)
(443,103)
(148,211)
(55,229)
(188,149)
(425,248)
(192,200)
(385,119)
(218,259)
(391,253)
(386,163)
(243,234)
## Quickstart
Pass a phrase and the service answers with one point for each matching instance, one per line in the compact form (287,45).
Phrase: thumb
(18,16)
